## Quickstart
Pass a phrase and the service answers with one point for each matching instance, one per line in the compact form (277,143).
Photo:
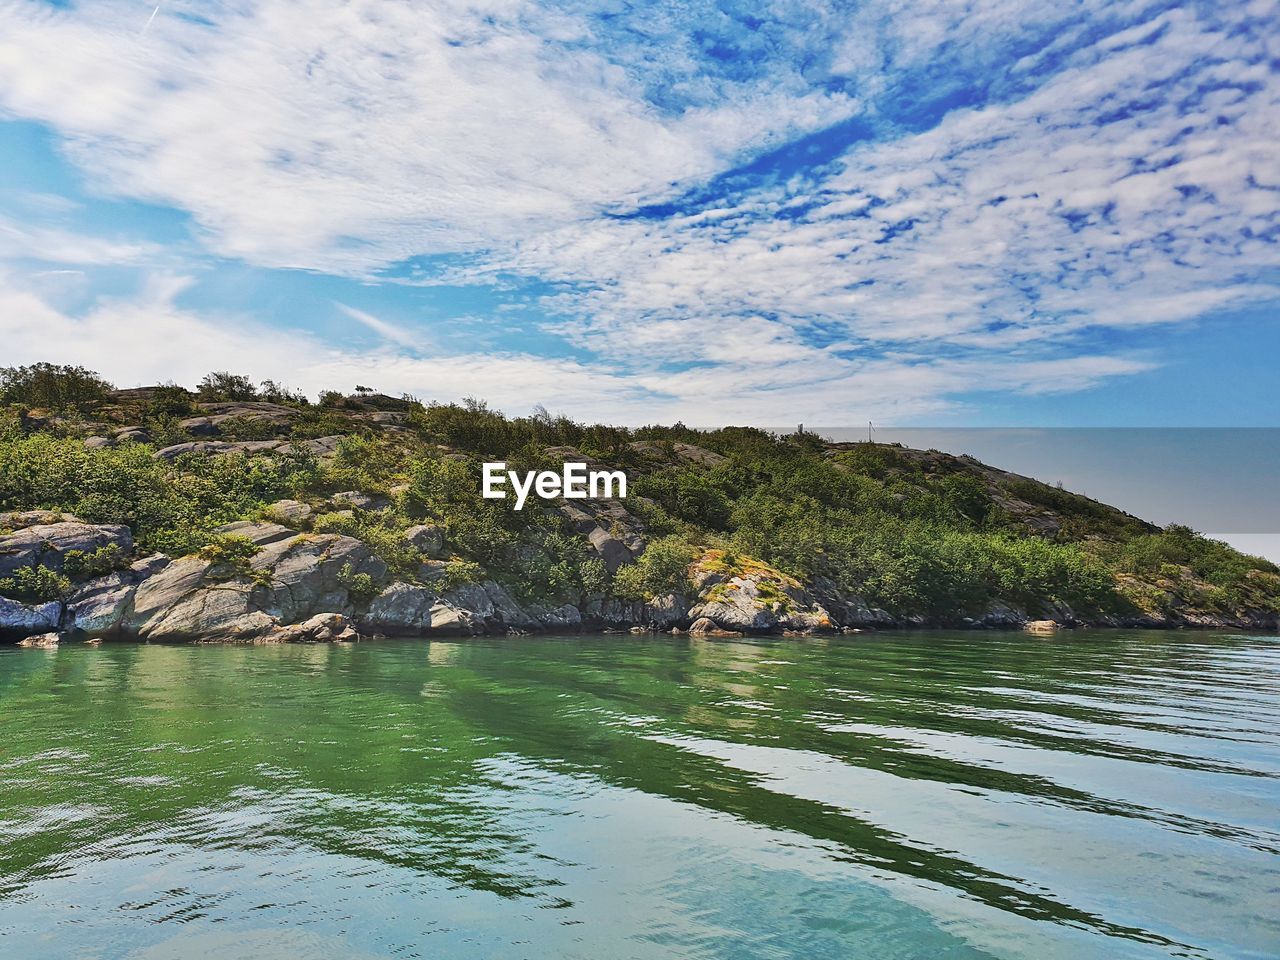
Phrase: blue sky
(964,213)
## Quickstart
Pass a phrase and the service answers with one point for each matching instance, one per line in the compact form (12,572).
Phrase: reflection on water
(909,796)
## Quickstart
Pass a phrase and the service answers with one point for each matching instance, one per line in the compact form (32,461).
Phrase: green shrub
(221,385)
(662,568)
(77,563)
(53,386)
(35,585)
(458,573)
(360,586)
(229,555)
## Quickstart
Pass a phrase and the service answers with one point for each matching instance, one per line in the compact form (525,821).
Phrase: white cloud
(148,339)
(1105,182)
(383,329)
(1124,192)
(339,136)
(56,245)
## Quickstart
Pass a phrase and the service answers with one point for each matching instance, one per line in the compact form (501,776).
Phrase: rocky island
(247,513)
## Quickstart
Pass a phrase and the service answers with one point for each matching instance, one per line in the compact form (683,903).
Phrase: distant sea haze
(1221,481)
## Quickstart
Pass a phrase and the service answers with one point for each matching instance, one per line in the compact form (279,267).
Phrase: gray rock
(448,619)
(44,640)
(1002,615)
(706,627)
(737,606)
(320,446)
(665,612)
(99,607)
(288,511)
(361,501)
(612,550)
(430,571)
(427,539)
(402,608)
(182,602)
(17,519)
(322,628)
(247,447)
(258,532)
(508,612)
(294,578)
(46,544)
(566,617)
(25,619)
(307,574)
(201,426)
(97,443)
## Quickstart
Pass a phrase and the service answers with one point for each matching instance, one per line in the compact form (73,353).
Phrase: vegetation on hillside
(912,532)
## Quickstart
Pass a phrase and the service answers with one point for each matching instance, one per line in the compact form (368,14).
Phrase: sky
(970,213)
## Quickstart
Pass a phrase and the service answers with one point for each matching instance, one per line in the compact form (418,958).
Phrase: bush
(662,568)
(221,385)
(53,386)
(360,586)
(170,507)
(458,573)
(229,554)
(35,585)
(77,563)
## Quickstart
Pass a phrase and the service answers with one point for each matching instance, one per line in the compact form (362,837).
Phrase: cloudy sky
(993,212)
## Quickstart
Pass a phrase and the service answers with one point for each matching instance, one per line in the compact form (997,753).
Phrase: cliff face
(162,516)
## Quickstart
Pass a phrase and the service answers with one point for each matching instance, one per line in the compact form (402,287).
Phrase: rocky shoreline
(298,586)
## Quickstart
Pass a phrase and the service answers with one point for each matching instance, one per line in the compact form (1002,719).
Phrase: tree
(221,385)
(53,386)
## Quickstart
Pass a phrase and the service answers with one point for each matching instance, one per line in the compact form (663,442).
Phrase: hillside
(247,512)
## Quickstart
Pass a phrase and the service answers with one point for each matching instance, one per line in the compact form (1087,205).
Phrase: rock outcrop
(24,619)
(41,640)
(47,544)
(758,601)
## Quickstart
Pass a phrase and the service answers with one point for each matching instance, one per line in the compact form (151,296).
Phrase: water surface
(898,796)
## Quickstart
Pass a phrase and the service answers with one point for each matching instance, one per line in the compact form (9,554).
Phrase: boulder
(17,519)
(1002,616)
(184,602)
(45,640)
(736,605)
(401,608)
(322,628)
(320,446)
(706,627)
(565,618)
(311,573)
(24,619)
(613,532)
(1041,626)
(473,608)
(288,512)
(46,544)
(847,609)
(448,619)
(257,531)
(98,607)
(612,550)
(427,539)
(361,501)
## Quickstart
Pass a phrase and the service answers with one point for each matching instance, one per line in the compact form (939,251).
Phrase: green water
(1103,795)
